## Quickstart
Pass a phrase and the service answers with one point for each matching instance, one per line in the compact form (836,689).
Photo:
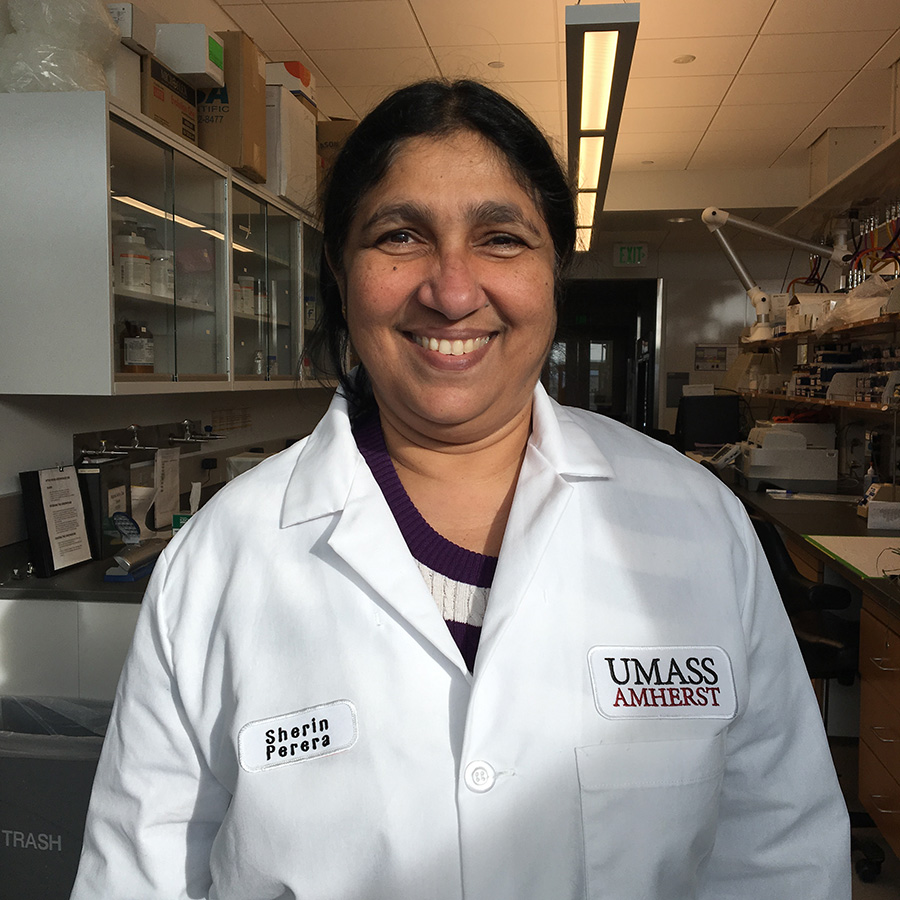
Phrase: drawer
(879,656)
(879,727)
(880,795)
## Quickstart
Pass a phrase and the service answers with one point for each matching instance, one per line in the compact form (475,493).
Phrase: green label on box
(216,53)
(178,519)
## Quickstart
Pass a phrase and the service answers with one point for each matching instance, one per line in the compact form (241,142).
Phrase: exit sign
(630,254)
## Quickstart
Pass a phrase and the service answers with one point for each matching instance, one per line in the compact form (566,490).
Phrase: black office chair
(830,649)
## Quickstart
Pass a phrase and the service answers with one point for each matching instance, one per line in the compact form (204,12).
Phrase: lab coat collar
(563,442)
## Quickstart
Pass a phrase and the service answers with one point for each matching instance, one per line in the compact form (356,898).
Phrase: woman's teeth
(452,348)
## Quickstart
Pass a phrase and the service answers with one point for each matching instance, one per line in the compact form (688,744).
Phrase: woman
(462,642)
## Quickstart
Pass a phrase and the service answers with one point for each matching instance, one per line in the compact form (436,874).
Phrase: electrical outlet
(209,462)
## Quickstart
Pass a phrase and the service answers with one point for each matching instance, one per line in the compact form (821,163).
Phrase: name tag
(297,736)
(662,682)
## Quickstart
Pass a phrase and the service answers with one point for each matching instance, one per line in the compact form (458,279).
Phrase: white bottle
(132,263)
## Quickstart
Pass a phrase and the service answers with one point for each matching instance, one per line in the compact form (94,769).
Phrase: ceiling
(731,128)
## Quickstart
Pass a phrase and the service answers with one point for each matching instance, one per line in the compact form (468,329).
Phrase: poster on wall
(714,357)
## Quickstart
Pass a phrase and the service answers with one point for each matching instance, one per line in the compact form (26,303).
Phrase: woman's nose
(452,287)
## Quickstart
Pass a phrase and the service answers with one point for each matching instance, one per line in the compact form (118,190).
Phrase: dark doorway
(604,358)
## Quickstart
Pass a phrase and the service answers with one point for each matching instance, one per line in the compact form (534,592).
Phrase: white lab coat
(291,599)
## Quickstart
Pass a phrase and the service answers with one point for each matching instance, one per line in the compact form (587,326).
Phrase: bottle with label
(137,347)
(162,273)
(132,260)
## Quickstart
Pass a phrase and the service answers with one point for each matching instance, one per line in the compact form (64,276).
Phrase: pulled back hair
(433,108)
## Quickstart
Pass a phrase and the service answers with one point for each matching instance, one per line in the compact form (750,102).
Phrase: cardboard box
(882,508)
(294,76)
(138,31)
(291,147)
(168,99)
(232,119)
(193,52)
(330,137)
(123,75)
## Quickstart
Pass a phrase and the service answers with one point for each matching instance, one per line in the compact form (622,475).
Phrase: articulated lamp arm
(715,218)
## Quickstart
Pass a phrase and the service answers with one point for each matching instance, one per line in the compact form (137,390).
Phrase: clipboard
(54,518)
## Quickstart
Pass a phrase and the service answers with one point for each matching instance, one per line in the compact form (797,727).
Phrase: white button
(479,776)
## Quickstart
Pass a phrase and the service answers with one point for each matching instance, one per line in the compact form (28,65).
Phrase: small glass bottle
(137,347)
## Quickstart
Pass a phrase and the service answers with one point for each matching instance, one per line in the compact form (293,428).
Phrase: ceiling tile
(533,96)
(790,117)
(350,24)
(798,17)
(715,56)
(759,140)
(659,142)
(812,52)
(703,90)
(662,162)
(332,104)
(888,54)
(361,68)
(666,118)
(464,23)
(268,33)
(795,87)
(700,18)
(521,62)
(740,158)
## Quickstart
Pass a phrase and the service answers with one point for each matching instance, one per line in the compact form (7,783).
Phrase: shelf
(861,186)
(868,326)
(818,401)
(142,297)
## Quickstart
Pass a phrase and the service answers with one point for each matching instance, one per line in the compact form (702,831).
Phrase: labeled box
(294,76)
(232,118)
(330,137)
(193,52)
(123,77)
(168,99)
(137,30)
(291,147)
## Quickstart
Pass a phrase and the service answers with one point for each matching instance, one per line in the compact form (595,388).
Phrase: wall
(703,301)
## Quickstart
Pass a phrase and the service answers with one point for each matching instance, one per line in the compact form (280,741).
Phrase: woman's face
(448,285)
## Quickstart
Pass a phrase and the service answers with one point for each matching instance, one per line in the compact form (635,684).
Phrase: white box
(883,509)
(123,75)
(138,31)
(192,51)
(294,76)
(290,147)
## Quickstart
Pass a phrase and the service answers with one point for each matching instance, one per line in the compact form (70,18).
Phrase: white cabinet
(119,259)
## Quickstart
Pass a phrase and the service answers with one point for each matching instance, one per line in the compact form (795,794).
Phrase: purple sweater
(428,547)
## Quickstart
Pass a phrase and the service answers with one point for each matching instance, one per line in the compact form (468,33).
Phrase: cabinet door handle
(877,662)
(877,729)
(887,812)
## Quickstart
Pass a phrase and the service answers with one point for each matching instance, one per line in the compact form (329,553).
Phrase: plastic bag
(30,62)
(83,25)
(5,25)
(865,301)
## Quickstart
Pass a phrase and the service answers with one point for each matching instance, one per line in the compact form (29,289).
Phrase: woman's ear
(340,280)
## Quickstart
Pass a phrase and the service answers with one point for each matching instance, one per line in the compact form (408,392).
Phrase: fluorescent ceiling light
(586,202)
(599,59)
(590,152)
(155,211)
(600,43)
(583,239)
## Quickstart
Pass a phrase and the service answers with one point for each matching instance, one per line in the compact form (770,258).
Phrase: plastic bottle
(162,273)
(132,262)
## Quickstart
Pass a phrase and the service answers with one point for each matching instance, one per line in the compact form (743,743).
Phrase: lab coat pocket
(649,816)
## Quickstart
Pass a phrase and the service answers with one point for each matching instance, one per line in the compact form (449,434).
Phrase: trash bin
(48,755)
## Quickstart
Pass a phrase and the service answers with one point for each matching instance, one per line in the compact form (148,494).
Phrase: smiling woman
(462,643)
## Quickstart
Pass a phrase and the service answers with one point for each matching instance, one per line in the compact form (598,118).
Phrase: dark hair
(433,108)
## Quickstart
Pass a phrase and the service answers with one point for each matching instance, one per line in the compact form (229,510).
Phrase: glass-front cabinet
(169,262)
(133,262)
(265,260)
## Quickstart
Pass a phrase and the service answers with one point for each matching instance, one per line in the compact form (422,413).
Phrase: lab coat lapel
(558,453)
(331,478)
(367,538)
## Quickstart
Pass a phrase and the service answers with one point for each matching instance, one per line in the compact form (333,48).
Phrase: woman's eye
(396,237)
(505,241)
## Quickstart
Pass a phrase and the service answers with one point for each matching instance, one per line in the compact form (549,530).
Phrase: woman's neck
(464,491)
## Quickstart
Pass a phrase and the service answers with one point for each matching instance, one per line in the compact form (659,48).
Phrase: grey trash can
(48,756)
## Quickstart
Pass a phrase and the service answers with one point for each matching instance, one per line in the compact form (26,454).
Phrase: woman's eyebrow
(488,212)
